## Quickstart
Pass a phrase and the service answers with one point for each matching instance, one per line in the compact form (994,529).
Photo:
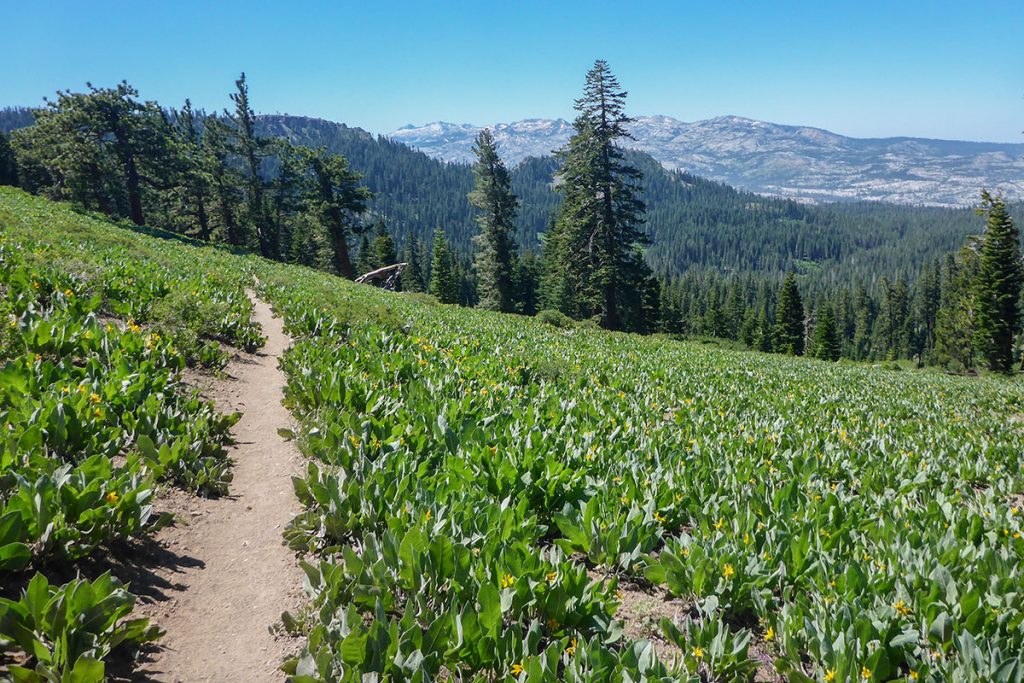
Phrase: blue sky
(864,68)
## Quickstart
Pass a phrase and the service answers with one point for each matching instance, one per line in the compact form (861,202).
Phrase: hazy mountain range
(801,162)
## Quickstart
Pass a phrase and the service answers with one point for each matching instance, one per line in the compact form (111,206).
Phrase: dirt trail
(231,576)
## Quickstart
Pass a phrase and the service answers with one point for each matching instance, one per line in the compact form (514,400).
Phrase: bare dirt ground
(642,607)
(220,577)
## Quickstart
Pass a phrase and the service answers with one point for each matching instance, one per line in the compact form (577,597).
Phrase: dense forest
(716,261)
(692,222)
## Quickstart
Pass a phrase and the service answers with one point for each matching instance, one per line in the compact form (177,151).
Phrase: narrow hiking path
(231,576)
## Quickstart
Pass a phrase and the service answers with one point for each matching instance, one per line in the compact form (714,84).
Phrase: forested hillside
(682,255)
(693,222)
(495,495)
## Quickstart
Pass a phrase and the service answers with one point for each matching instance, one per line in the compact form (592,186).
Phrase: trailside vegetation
(734,483)
(602,234)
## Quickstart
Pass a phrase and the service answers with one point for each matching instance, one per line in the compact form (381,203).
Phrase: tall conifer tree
(193,166)
(336,198)
(826,335)
(384,253)
(250,149)
(997,287)
(444,277)
(495,244)
(592,255)
(412,275)
(789,319)
(954,323)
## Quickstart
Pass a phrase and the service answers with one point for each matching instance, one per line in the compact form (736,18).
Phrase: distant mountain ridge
(800,162)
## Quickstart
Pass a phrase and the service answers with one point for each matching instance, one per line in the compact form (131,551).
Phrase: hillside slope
(489,494)
(693,222)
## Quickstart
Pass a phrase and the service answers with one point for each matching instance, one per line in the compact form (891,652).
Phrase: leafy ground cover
(466,469)
(98,324)
(479,484)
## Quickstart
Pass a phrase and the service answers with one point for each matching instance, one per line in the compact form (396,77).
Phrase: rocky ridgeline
(807,163)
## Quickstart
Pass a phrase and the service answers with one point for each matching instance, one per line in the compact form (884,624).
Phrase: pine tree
(384,252)
(789,319)
(8,163)
(765,333)
(954,326)
(495,243)
(714,318)
(412,275)
(929,298)
(444,279)
(366,259)
(225,180)
(734,310)
(591,254)
(335,198)
(103,149)
(286,196)
(997,287)
(527,283)
(250,148)
(826,336)
(192,170)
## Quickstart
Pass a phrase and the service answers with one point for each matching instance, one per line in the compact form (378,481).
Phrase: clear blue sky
(952,69)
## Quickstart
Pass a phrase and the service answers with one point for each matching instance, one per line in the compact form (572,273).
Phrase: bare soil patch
(642,606)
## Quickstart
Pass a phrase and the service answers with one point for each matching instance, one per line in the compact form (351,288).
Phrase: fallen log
(391,274)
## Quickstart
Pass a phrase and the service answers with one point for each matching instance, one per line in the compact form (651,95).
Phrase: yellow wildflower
(698,653)
(901,608)
(112,498)
(769,635)
(830,675)
(571,650)
(728,571)
(517,669)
